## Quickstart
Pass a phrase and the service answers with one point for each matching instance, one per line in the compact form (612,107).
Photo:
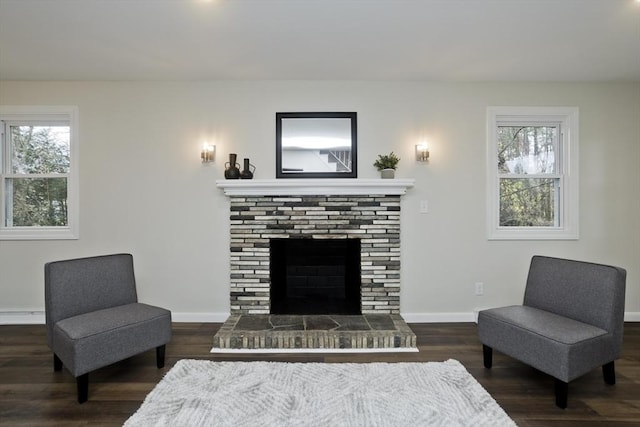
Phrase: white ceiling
(428,40)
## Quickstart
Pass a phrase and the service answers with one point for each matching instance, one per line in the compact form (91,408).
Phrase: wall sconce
(208,153)
(422,152)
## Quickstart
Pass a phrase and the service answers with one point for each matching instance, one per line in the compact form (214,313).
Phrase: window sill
(532,233)
(38,233)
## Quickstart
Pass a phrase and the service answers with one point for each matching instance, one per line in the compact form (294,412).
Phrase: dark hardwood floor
(32,394)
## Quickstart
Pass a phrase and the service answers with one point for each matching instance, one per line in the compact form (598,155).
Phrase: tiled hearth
(262,210)
(362,332)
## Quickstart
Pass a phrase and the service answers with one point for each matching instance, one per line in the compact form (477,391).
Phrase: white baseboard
(36,317)
(199,317)
(631,316)
(438,317)
(15,317)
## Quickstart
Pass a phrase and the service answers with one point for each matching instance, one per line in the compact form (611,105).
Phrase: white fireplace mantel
(295,187)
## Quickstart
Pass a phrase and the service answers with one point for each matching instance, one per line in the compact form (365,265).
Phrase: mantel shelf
(294,187)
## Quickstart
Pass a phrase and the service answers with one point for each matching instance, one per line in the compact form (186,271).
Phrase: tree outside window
(529,182)
(36,189)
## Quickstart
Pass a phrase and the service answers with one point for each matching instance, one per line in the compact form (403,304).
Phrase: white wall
(144,190)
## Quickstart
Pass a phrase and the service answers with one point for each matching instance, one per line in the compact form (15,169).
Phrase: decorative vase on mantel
(232,169)
(247,172)
(387,173)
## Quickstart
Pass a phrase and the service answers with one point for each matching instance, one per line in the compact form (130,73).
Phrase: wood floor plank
(31,393)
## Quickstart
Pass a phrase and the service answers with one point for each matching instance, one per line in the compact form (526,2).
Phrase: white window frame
(29,113)
(567,117)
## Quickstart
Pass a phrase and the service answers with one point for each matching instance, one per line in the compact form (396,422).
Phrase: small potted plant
(387,164)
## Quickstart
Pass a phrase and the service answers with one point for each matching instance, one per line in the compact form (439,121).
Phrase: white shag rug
(280,394)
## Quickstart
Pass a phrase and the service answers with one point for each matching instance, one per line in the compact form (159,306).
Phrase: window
(532,173)
(39,185)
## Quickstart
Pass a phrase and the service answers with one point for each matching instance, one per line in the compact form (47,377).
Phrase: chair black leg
(57,363)
(160,356)
(487,353)
(609,373)
(562,391)
(83,387)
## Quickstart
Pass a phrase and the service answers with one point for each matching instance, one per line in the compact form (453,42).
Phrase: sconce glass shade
(422,152)
(208,153)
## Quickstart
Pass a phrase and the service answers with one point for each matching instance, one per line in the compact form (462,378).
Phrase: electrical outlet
(424,206)
(479,288)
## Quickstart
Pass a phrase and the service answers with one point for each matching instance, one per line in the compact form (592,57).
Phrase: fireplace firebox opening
(315,276)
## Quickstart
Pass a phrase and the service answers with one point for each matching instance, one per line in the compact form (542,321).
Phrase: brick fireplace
(267,211)
(257,216)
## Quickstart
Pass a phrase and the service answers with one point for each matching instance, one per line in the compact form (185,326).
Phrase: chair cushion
(561,347)
(549,325)
(92,340)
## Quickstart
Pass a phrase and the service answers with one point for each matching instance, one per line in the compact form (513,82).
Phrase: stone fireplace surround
(342,212)
(261,210)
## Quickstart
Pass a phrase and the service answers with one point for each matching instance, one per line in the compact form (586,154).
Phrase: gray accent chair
(570,323)
(94,319)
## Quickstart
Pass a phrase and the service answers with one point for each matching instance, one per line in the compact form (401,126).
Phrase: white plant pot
(387,173)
